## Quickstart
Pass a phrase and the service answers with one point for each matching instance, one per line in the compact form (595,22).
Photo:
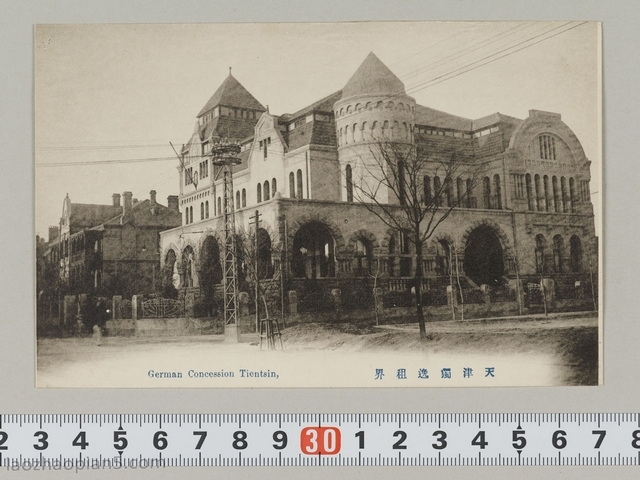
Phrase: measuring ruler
(189,440)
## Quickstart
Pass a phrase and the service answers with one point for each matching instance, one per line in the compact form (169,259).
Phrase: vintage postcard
(402,204)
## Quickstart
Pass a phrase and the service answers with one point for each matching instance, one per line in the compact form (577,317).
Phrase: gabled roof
(323,105)
(373,77)
(436,118)
(235,128)
(494,118)
(88,215)
(232,94)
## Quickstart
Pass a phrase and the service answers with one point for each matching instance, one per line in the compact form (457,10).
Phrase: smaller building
(108,249)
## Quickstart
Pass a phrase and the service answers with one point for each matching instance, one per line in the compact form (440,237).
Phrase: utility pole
(256,222)
(224,154)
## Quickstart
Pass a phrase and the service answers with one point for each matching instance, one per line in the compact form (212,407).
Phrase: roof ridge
(231,93)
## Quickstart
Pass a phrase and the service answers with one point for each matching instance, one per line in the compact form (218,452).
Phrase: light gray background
(621,196)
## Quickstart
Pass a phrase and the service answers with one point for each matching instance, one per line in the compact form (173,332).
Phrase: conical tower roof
(232,94)
(373,77)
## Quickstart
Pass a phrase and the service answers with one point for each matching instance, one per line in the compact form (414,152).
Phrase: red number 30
(320,440)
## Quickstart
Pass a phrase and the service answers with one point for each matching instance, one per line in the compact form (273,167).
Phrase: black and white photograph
(300,205)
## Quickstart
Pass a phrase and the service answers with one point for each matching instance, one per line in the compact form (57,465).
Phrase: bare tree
(411,191)
(261,251)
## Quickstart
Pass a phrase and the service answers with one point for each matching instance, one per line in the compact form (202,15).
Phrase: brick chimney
(172,202)
(128,202)
(116,199)
(152,196)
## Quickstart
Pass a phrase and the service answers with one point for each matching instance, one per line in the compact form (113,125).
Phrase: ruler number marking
(601,434)
(635,443)
(360,436)
(42,444)
(518,439)
(479,440)
(202,436)
(281,440)
(239,440)
(441,440)
(4,436)
(399,445)
(80,440)
(559,439)
(120,441)
(160,441)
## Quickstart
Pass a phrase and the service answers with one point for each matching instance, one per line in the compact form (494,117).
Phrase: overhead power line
(455,72)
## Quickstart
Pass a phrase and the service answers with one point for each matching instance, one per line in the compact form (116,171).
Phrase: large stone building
(523,210)
(110,249)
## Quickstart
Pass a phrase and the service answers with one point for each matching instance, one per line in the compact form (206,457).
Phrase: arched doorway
(188,266)
(211,269)
(483,257)
(313,251)
(171,279)
(576,253)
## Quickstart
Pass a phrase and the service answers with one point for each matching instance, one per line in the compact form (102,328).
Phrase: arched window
(186,216)
(460,191)
(437,191)
(557,200)
(349,180)
(201,211)
(355,131)
(558,253)
(576,253)
(498,194)
(363,257)
(385,129)
(237,199)
(244,198)
(566,202)
(190,214)
(572,194)
(547,194)
(530,198)
(259,193)
(220,206)
(206,209)
(364,132)
(292,185)
(448,191)
(471,200)
(426,185)
(339,137)
(405,252)
(539,253)
(299,186)
(486,192)
(539,195)
(395,133)
(274,187)
(375,130)
(313,253)
(265,191)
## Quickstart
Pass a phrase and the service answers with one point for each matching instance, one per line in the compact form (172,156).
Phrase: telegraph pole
(256,222)
(225,154)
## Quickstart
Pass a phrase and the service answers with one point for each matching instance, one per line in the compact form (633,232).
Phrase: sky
(110,93)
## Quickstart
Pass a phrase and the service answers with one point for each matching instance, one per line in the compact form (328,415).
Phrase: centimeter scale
(190,440)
